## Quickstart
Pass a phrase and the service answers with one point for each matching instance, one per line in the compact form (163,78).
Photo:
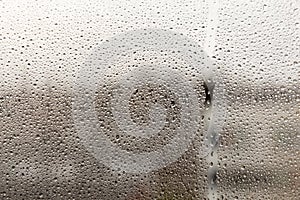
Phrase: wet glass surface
(139,100)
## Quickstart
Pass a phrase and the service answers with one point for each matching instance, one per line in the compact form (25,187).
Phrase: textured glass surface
(165,100)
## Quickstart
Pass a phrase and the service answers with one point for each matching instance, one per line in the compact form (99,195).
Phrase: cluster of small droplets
(46,46)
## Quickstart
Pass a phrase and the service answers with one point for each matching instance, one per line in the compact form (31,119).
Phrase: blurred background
(254,46)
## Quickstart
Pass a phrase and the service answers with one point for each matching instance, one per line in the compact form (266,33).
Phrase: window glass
(149,99)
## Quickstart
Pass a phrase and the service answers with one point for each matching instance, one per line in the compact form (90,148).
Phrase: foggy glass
(137,100)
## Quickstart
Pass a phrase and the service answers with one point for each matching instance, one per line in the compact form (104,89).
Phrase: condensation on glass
(137,100)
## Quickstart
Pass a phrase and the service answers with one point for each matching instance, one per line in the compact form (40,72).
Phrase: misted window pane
(137,100)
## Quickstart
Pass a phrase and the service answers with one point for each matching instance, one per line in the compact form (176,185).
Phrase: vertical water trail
(212,134)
